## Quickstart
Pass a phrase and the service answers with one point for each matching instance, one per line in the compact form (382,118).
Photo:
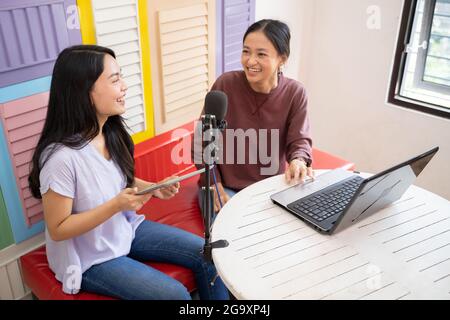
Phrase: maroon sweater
(284,110)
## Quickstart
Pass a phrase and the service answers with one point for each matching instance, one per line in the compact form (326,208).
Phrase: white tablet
(169,182)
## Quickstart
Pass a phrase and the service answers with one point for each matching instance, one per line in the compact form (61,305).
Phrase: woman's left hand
(297,171)
(167,192)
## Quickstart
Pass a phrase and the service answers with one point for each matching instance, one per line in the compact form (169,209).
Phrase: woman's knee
(173,291)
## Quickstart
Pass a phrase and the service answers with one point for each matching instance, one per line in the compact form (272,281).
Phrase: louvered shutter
(23,121)
(235,17)
(183,55)
(32,33)
(117,27)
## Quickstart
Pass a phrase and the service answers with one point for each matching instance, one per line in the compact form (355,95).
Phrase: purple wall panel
(219,38)
(32,33)
(37,38)
(234,17)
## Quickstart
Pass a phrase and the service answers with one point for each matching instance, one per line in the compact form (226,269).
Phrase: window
(421,73)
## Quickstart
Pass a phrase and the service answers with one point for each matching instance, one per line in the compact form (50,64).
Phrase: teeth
(254,70)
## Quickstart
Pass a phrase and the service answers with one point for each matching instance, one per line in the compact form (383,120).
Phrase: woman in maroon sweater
(267,115)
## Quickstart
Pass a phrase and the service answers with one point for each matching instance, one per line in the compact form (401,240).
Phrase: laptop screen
(382,189)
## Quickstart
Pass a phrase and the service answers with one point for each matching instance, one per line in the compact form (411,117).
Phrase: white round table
(401,252)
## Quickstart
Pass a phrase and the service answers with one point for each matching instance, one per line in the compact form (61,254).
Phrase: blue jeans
(127,278)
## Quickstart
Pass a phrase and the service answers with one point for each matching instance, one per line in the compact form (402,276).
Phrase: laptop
(338,198)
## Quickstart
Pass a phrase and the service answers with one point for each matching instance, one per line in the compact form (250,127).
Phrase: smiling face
(261,62)
(108,92)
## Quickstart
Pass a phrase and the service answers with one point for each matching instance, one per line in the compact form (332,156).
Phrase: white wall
(345,67)
(298,15)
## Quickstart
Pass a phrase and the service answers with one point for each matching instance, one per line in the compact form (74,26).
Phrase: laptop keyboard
(328,202)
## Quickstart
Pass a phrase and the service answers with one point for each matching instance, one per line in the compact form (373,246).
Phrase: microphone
(215,109)
(216,104)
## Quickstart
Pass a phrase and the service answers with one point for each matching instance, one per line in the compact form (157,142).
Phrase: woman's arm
(297,171)
(298,140)
(63,225)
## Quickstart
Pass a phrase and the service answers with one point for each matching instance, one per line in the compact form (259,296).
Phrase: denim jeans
(128,278)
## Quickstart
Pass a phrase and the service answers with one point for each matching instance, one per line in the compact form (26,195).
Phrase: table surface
(401,252)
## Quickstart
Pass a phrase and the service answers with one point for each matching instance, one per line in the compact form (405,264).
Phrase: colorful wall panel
(6,235)
(122,26)
(32,33)
(182,35)
(23,120)
(234,17)
(25,89)
(22,230)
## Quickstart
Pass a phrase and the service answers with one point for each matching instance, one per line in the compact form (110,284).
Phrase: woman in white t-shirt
(83,169)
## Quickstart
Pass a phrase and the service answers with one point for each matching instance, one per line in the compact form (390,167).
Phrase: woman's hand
(169,191)
(127,200)
(224,197)
(297,171)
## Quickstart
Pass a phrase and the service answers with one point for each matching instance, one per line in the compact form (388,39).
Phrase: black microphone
(216,104)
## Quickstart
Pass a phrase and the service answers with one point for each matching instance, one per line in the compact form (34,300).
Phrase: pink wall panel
(23,121)
(23,183)
(24,157)
(36,210)
(36,219)
(17,121)
(24,145)
(32,129)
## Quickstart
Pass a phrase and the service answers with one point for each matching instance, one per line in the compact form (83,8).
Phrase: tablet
(169,182)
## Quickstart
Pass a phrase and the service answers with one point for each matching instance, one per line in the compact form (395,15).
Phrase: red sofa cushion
(42,282)
(324,160)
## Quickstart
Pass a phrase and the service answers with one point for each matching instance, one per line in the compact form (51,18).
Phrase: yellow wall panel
(110,22)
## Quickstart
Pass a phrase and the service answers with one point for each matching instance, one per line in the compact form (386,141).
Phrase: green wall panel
(6,235)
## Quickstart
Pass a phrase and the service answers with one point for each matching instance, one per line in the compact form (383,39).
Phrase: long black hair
(71,117)
(276,31)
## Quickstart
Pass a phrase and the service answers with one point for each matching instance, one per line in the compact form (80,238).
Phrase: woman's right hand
(127,200)
(224,197)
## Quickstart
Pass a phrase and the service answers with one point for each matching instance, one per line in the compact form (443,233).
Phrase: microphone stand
(209,124)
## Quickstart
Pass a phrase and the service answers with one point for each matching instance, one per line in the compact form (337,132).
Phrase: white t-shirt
(90,180)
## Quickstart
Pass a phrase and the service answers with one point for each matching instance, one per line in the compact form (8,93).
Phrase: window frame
(404,36)
(422,55)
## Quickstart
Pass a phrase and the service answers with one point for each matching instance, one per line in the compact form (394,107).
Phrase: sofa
(153,163)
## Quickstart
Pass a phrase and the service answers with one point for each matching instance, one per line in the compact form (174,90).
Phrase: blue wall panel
(25,89)
(11,196)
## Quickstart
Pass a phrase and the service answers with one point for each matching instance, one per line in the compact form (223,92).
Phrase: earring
(280,69)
